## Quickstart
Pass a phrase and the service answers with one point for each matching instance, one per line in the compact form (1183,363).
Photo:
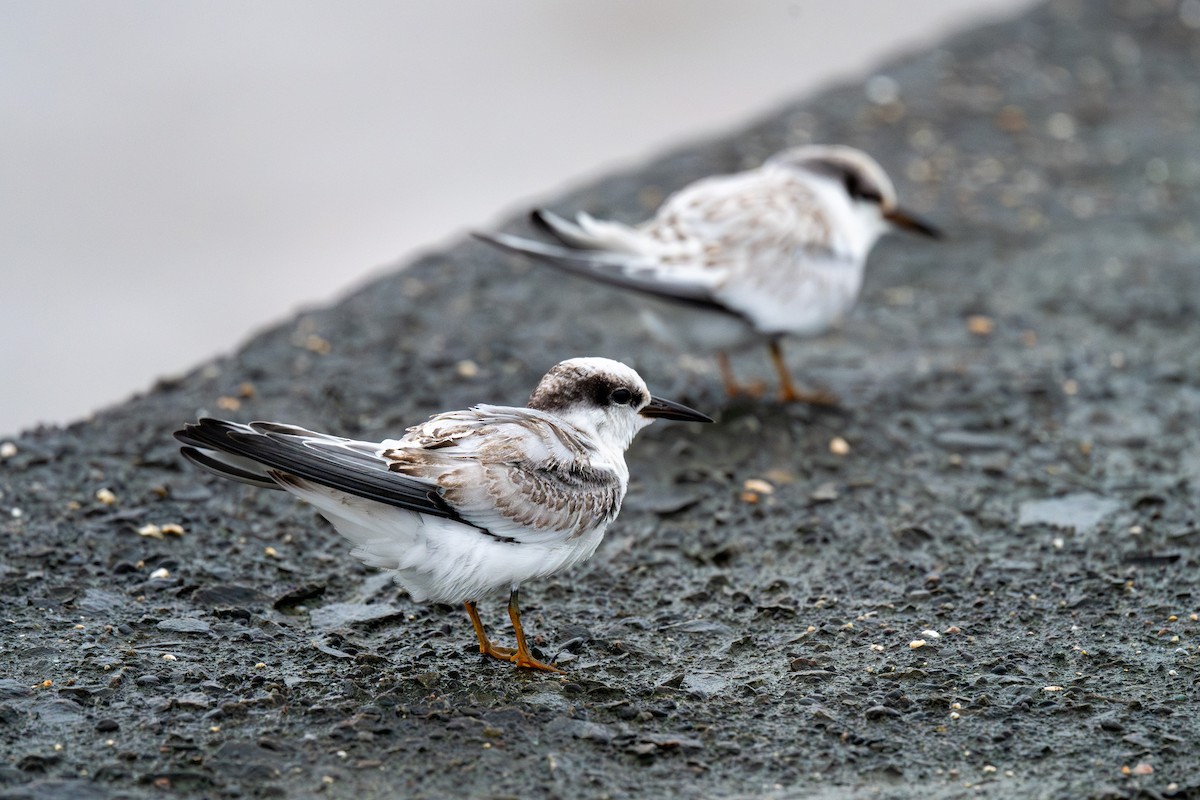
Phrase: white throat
(612,429)
(857,225)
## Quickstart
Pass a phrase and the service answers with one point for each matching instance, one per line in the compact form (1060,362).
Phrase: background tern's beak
(902,219)
(669,409)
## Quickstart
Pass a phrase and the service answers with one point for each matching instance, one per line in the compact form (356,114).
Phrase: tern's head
(865,184)
(604,396)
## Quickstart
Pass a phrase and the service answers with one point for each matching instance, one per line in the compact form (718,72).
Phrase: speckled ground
(1019,494)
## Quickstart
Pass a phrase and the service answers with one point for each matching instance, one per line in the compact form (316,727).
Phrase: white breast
(441,560)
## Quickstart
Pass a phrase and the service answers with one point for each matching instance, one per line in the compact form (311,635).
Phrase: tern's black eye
(621,396)
(860,188)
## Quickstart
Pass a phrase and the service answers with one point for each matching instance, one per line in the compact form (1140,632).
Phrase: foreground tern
(744,258)
(469,502)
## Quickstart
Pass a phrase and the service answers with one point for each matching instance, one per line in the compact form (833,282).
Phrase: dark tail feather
(224,469)
(613,269)
(207,444)
(538,219)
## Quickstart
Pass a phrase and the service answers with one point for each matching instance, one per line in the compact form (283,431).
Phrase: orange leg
(787,390)
(521,656)
(485,644)
(732,388)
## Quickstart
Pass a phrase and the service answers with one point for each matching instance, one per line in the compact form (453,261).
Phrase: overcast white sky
(174,175)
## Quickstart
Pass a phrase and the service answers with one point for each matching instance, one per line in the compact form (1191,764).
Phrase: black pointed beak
(659,408)
(902,219)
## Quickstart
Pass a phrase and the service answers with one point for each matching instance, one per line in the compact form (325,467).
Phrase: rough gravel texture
(1019,493)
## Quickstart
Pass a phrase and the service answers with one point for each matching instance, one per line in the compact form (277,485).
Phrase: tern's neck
(856,225)
(611,433)
(868,226)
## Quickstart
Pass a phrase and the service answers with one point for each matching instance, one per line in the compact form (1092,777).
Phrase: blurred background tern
(733,260)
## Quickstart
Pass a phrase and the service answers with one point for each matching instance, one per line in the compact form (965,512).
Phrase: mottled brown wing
(729,223)
(524,475)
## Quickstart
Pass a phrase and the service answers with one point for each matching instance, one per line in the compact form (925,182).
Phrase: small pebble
(271,551)
(8,450)
(825,493)
(1011,119)
(227,403)
(106,497)
(1052,688)
(151,530)
(466,369)
(1061,126)
(882,90)
(169,657)
(917,643)
(931,634)
(839,446)
(754,489)
(173,529)
(159,574)
(315,344)
(979,325)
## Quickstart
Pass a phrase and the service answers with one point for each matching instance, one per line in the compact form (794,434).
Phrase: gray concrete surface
(1021,406)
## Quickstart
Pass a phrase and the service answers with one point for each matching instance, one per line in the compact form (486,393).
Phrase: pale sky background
(175,175)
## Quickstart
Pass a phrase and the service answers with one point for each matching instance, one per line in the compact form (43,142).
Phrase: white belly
(441,560)
(449,562)
(806,307)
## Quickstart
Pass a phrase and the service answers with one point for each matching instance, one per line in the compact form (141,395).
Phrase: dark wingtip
(192,432)
(537,218)
(208,433)
(483,236)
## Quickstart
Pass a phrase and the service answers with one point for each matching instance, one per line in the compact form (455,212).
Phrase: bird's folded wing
(519,473)
(768,236)
(349,466)
(642,273)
